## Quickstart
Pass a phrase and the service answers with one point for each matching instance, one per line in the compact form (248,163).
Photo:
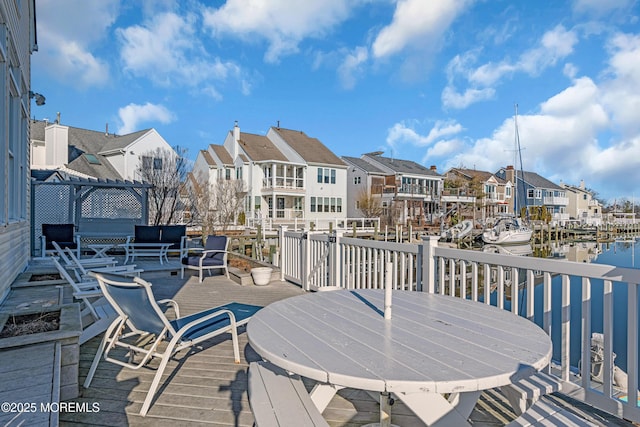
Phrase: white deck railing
(568,300)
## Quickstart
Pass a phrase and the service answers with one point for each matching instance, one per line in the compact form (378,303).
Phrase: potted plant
(261,275)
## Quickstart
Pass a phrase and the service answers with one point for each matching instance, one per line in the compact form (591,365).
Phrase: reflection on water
(571,251)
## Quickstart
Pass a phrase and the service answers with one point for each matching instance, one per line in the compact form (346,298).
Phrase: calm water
(621,254)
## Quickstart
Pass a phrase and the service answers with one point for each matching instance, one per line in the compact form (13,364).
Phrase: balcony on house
(417,188)
(283,177)
(557,198)
(458,195)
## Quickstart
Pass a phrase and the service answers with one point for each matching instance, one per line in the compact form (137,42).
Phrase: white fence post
(305,259)
(283,229)
(429,243)
(335,277)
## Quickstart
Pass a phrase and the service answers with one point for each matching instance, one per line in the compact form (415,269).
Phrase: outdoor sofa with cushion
(176,235)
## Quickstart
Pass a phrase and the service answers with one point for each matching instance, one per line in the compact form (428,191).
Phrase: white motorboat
(458,231)
(507,231)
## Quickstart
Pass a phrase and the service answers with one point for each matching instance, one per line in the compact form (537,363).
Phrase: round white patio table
(433,344)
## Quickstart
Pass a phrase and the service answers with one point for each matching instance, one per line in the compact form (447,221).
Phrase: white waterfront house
(289,177)
(88,153)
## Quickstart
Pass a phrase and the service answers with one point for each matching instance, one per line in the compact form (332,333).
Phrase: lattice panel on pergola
(111,203)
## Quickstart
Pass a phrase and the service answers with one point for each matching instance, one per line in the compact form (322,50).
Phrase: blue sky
(431,81)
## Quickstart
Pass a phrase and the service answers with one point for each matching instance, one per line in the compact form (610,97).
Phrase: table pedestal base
(434,410)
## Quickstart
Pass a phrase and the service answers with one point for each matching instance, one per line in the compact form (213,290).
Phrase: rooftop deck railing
(569,300)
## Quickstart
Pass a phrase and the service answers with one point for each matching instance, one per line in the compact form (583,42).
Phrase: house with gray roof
(409,192)
(531,189)
(583,207)
(86,153)
(289,176)
(482,191)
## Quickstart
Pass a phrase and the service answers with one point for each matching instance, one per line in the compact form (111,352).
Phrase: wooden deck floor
(207,388)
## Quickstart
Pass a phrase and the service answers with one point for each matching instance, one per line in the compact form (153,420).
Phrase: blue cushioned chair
(214,256)
(139,315)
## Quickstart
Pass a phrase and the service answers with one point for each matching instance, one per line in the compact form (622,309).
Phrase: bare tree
(228,202)
(216,206)
(166,171)
(369,204)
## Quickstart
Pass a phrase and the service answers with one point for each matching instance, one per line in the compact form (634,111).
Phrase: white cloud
(67,31)
(453,99)
(553,46)
(443,148)
(352,66)
(404,133)
(416,22)
(133,115)
(166,50)
(282,23)
(624,72)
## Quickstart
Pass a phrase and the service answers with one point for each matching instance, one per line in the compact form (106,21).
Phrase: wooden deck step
(31,385)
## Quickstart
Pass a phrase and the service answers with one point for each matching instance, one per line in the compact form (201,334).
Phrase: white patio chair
(93,304)
(140,315)
(82,271)
(94,262)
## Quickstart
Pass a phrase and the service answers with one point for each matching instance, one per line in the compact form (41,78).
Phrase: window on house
(313,204)
(257,202)
(530,194)
(239,173)
(227,174)
(333,204)
(13,173)
(157,164)
(92,159)
(326,204)
(333,176)
(357,204)
(299,177)
(320,174)
(357,180)
(339,205)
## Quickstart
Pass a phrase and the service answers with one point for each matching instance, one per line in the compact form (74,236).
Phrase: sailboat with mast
(509,229)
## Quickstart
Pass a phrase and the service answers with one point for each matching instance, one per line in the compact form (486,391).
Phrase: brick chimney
(510,174)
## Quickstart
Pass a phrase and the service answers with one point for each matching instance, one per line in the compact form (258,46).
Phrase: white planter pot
(261,275)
